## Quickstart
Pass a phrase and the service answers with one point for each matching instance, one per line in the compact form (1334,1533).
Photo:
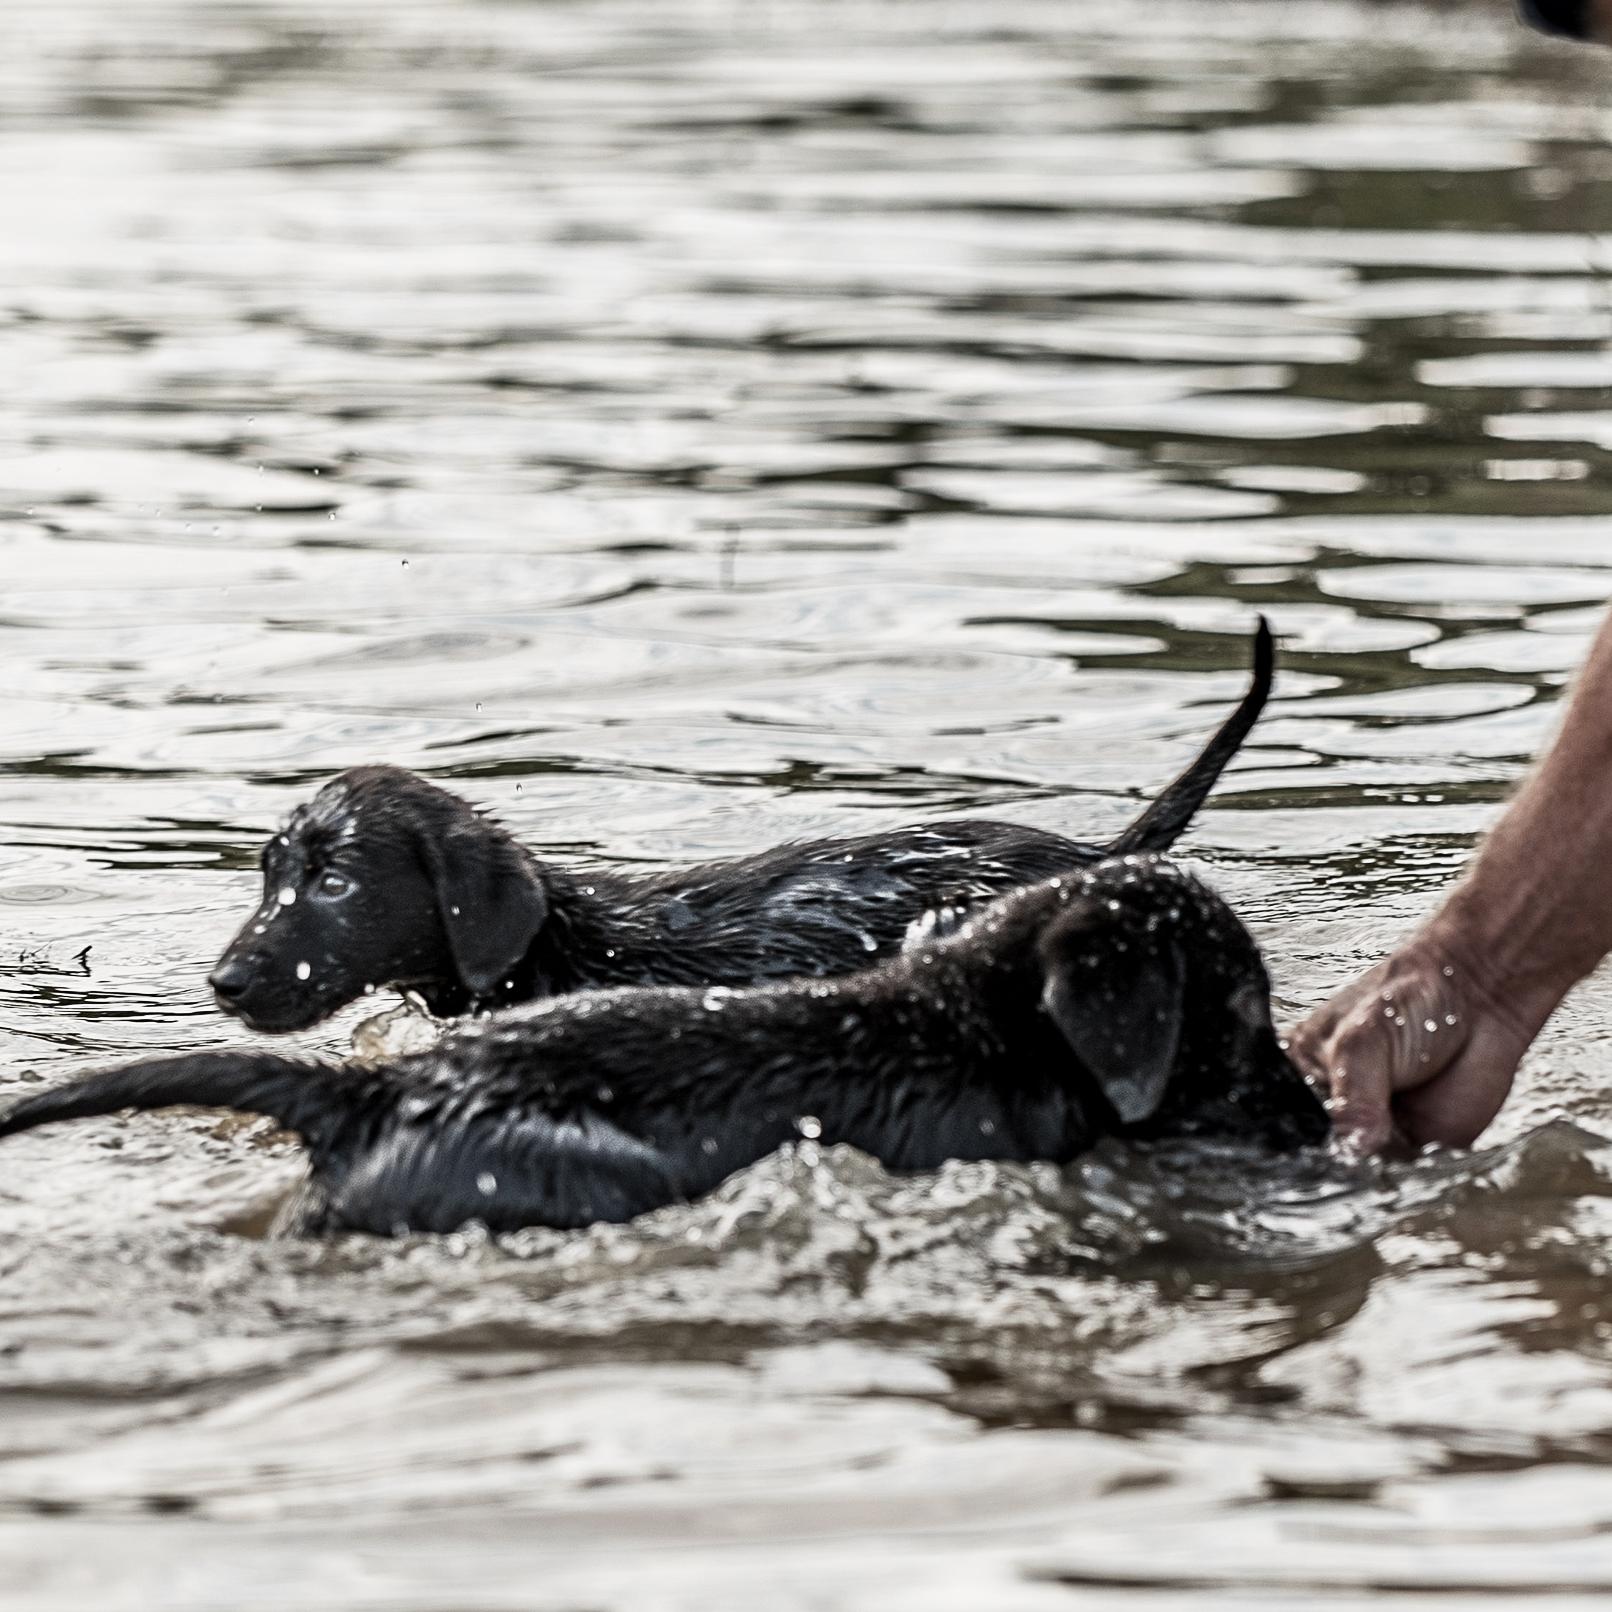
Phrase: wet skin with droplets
(1126,1000)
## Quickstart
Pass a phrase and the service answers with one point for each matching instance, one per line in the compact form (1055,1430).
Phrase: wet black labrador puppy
(1125,999)
(384,879)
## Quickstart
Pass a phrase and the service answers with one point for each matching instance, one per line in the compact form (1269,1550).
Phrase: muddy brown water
(682,425)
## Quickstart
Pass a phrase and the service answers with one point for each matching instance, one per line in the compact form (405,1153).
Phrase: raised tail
(1162,824)
(302,1095)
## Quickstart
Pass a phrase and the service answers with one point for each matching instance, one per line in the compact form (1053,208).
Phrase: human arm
(1429,1040)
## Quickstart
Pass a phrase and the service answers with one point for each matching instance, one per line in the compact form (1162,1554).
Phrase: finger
(1352,1064)
(1306,1044)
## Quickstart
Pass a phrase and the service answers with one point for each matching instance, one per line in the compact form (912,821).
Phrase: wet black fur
(446,903)
(1126,999)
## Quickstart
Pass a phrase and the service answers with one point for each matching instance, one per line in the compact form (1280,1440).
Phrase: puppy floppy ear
(491,898)
(1119,1010)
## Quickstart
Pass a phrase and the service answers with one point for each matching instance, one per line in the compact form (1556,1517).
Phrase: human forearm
(1533,915)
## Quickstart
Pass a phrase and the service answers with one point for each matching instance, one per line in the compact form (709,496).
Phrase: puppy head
(381,879)
(1162,996)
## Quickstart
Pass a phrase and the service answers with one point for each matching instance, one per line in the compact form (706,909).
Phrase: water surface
(684,425)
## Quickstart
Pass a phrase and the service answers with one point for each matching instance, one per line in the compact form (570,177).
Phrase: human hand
(1422,1045)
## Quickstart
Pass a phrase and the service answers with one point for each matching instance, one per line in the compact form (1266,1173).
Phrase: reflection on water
(689,424)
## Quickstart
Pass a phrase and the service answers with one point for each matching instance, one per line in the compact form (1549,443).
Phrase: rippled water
(683,425)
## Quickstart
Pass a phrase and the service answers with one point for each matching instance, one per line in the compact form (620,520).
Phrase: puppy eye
(334,884)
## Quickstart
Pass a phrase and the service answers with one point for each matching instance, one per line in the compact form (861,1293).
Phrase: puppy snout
(231,978)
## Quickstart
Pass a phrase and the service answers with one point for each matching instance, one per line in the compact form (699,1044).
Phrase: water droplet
(1430,1025)
(709,1145)
(605,1094)
(304,971)
(809,1126)
(286,896)
(869,944)
(715,999)
(1452,1018)
(1449,973)
(486,1183)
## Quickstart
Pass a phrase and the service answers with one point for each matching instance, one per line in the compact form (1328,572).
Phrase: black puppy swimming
(384,879)
(1122,1000)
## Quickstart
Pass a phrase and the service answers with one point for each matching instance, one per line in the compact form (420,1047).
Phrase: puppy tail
(302,1095)
(1162,824)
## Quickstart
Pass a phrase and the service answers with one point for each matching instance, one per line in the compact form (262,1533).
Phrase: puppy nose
(230,979)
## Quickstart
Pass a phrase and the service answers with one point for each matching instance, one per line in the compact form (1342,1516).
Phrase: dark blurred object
(34,960)
(1573,19)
